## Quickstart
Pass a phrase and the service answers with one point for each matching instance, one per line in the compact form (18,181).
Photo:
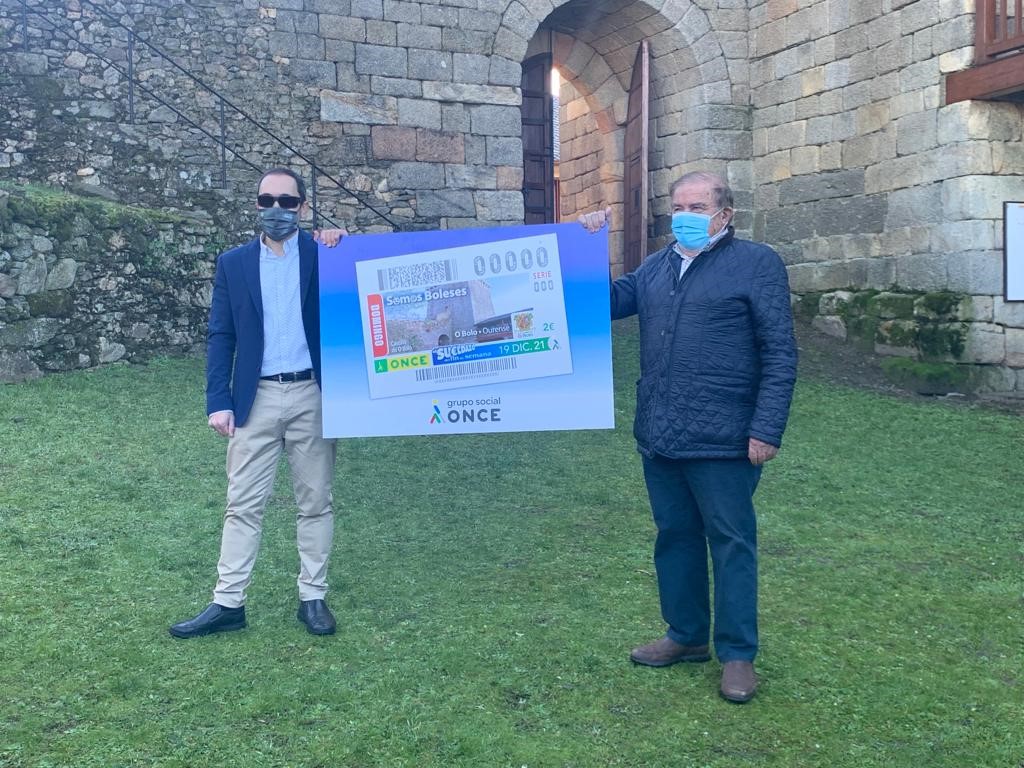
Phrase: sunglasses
(289,202)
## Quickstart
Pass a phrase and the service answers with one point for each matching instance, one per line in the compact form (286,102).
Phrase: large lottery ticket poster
(483,330)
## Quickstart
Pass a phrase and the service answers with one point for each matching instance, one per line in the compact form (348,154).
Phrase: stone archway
(699,102)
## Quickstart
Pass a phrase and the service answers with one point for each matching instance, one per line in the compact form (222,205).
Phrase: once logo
(470,415)
(408,362)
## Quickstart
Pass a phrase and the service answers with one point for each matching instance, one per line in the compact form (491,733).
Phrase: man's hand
(329,237)
(222,422)
(759,452)
(593,221)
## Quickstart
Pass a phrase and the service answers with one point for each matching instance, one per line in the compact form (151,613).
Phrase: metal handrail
(998,28)
(152,94)
(222,100)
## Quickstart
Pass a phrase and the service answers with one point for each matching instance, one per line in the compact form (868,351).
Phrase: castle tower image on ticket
(456,317)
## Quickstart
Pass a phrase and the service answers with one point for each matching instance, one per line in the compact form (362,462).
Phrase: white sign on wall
(1013,250)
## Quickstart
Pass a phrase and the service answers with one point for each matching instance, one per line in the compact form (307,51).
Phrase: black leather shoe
(317,617)
(215,618)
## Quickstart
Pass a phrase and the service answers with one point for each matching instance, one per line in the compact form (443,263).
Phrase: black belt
(305,375)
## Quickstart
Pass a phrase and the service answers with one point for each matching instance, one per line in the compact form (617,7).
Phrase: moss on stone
(6,215)
(57,212)
(964,311)
(807,308)
(61,230)
(140,238)
(45,205)
(941,340)
(22,209)
(927,378)
(857,306)
(51,304)
(215,246)
(861,331)
(939,305)
(891,305)
(897,333)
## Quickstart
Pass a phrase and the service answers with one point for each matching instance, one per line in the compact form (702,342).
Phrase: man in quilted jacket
(717,368)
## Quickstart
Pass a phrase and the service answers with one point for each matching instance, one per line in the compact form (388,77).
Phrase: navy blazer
(234,341)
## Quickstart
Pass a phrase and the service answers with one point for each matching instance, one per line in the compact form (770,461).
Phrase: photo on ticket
(478,314)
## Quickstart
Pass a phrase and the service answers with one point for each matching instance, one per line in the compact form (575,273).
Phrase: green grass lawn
(489,588)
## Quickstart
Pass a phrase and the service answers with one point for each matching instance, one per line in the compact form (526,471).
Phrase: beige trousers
(284,416)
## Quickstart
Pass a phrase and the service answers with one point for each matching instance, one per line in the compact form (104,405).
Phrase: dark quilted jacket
(717,353)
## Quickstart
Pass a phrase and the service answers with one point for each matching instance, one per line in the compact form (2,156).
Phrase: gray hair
(719,186)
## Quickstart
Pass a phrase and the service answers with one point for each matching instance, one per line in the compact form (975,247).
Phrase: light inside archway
(556,117)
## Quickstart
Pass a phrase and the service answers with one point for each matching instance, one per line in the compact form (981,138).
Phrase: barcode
(466,370)
(412,275)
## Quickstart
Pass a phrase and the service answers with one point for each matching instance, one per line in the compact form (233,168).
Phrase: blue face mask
(277,223)
(691,229)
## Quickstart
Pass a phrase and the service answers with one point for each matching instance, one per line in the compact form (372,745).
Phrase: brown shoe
(666,651)
(738,681)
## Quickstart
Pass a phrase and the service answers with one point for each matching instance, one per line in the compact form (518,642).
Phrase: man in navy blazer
(263,394)
(233,359)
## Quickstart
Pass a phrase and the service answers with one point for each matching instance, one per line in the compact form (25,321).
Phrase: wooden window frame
(998,71)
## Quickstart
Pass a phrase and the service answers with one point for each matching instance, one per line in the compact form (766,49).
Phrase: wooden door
(538,143)
(637,117)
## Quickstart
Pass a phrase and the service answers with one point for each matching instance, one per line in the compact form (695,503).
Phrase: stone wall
(826,116)
(400,101)
(944,341)
(865,179)
(65,111)
(412,105)
(86,282)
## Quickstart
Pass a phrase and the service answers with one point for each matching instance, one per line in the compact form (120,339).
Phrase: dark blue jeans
(702,504)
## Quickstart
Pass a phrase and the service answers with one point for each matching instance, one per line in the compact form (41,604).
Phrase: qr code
(412,275)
